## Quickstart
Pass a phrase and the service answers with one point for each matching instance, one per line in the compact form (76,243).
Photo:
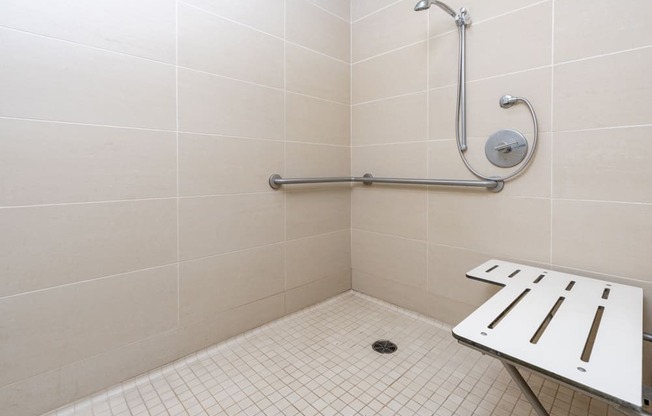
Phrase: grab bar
(276,181)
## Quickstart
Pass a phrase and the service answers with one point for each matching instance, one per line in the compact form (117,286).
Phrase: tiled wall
(136,139)
(584,206)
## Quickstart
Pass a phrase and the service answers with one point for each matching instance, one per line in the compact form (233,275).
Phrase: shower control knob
(508,147)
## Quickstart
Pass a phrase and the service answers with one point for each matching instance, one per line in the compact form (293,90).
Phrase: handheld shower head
(425,5)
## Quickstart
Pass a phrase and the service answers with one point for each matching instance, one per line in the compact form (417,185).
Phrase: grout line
(285,161)
(38,120)
(428,194)
(387,52)
(351,155)
(72,42)
(94,279)
(329,12)
(176,100)
(588,58)
(111,201)
(372,13)
(552,128)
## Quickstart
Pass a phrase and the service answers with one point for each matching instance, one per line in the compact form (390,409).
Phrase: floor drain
(384,346)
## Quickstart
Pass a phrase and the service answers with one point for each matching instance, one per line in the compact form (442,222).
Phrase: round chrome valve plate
(506,148)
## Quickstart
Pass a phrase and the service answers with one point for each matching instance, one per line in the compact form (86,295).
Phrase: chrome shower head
(425,5)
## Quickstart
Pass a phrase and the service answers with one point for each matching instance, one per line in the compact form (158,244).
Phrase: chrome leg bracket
(525,389)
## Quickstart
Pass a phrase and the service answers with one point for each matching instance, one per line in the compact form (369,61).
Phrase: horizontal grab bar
(276,181)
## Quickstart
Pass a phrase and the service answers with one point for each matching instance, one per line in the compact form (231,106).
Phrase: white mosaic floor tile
(319,361)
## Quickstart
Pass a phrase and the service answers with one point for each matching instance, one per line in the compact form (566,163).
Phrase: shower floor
(319,361)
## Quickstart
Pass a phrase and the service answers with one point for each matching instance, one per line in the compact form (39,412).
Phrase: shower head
(425,5)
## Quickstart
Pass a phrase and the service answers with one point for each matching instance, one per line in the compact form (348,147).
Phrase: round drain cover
(384,346)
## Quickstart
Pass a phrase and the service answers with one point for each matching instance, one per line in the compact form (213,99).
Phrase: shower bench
(584,333)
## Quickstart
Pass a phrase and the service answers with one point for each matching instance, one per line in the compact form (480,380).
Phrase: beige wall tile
(195,336)
(206,39)
(212,104)
(620,100)
(210,165)
(445,162)
(389,257)
(395,73)
(47,246)
(310,73)
(127,308)
(109,88)
(317,29)
(390,28)
(447,267)
(479,10)
(405,296)
(216,284)
(390,121)
(304,160)
(47,163)
(317,291)
(362,8)
(492,48)
(447,310)
(510,43)
(588,27)
(397,211)
(615,164)
(484,115)
(611,238)
(317,121)
(315,212)
(116,25)
(35,395)
(408,160)
(340,8)
(492,224)
(220,224)
(313,258)
(265,15)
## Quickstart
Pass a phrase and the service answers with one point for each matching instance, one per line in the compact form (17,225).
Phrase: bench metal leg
(527,391)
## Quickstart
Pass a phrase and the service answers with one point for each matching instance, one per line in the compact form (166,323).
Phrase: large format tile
(491,223)
(392,120)
(127,308)
(219,46)
(47,163)
(407,160)
(340,8)
(616,165)
(317,121)
(618,88)
(363,8)
(317,291)
(143,28)
(586,28)
(47,246)
(316,75)
(397,211)
(313,258)
(304,160)
(396,73)
(444,161)
(216,284)
(390,28)
(210,165)
(315,212)
(220,224)
(197,335)
(35,395)
(484,114)
(611,238)
(265,15)
(48,79)
(388,257)
(213,104)
(317,29)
